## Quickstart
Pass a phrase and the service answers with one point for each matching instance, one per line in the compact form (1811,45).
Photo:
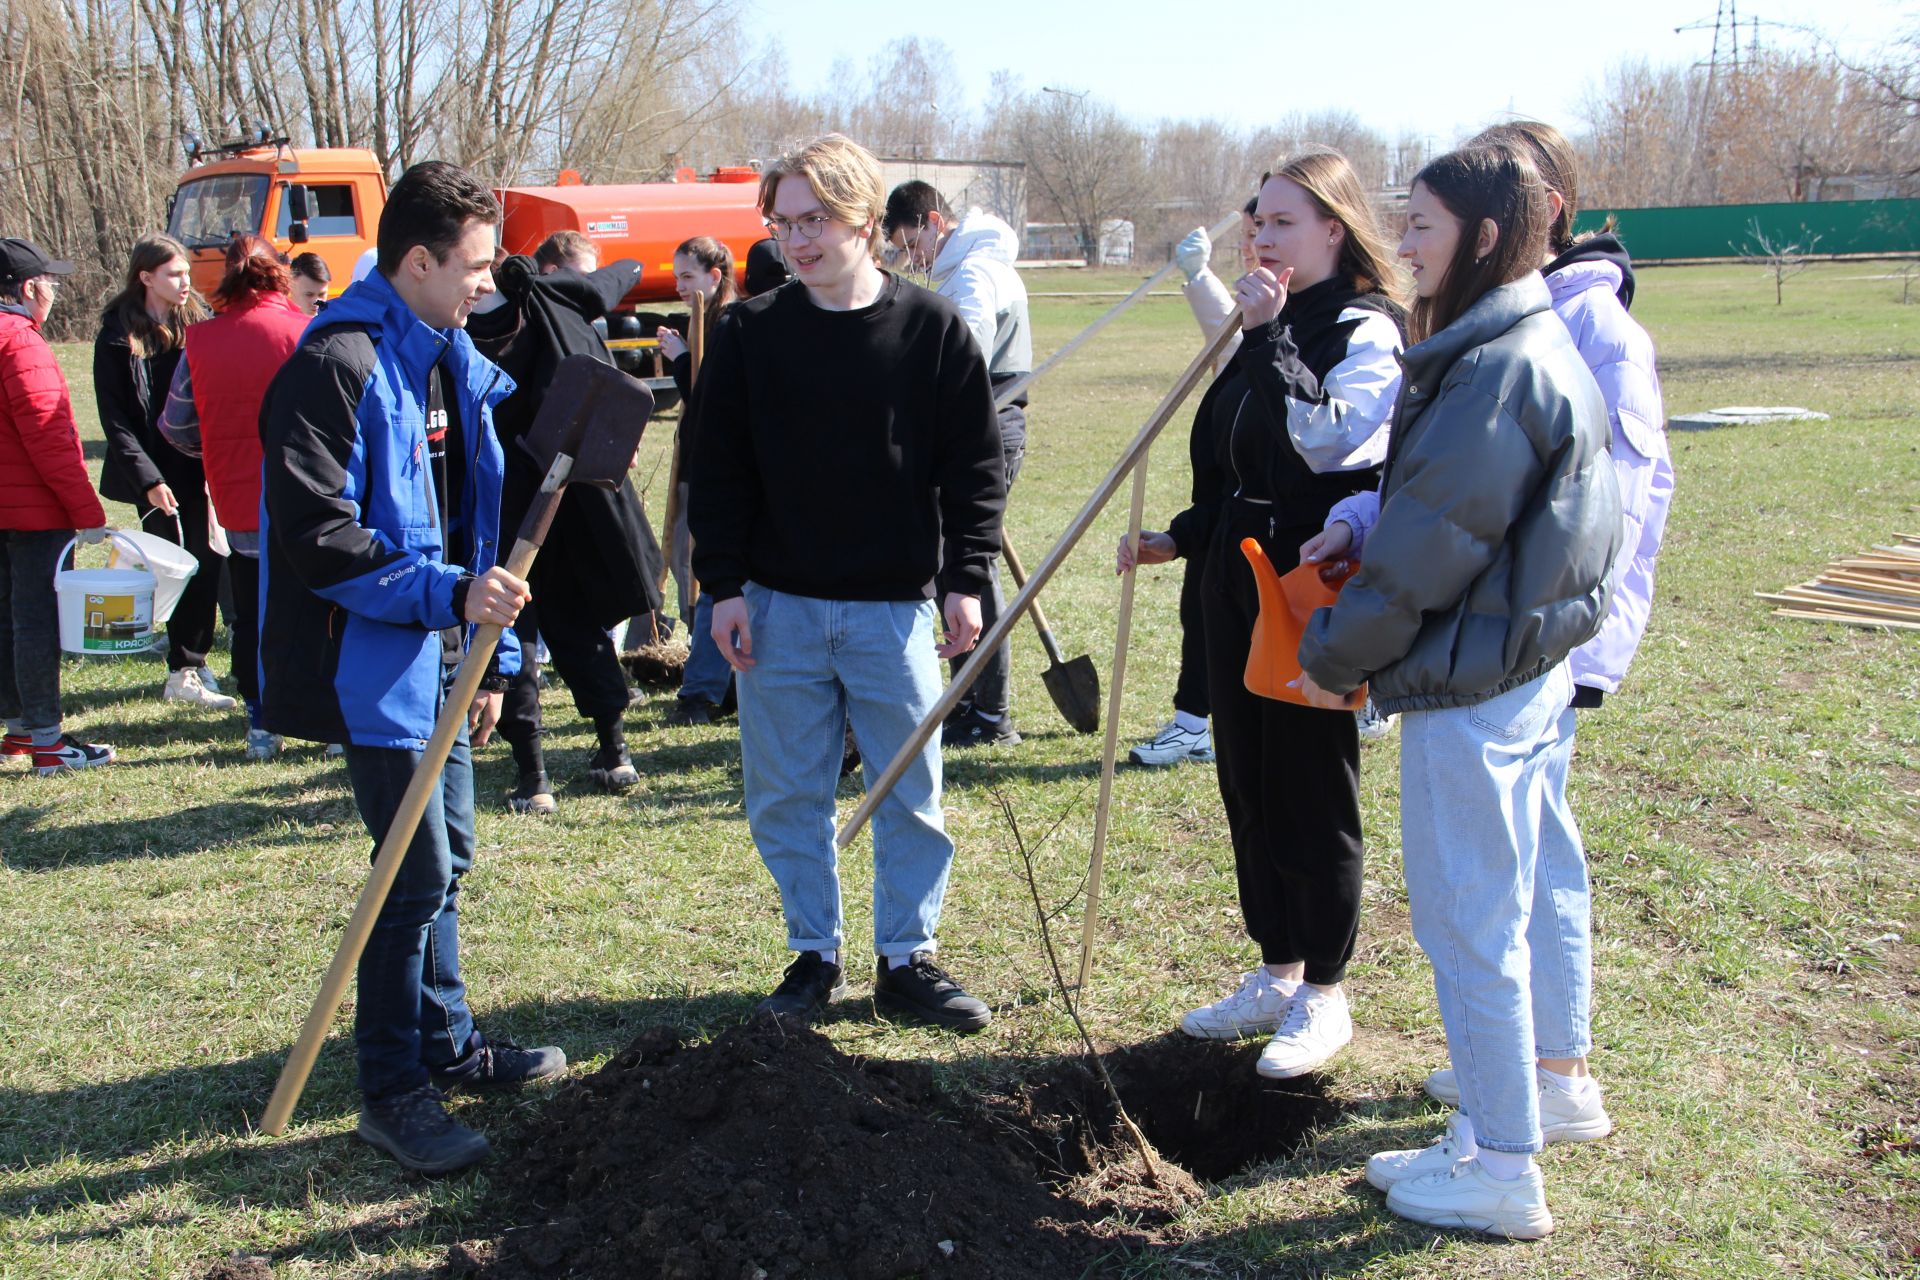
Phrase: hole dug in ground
(767,1154)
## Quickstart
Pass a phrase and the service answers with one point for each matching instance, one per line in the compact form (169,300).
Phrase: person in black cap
(45,497)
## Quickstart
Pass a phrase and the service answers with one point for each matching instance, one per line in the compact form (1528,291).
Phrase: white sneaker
(1464,1195)
(1388,1167)
(1373,725)
(1313,1027)
(1172,745)
(208,679)
(1564,1116)
(262,745)
(1253,1009)
(185,686)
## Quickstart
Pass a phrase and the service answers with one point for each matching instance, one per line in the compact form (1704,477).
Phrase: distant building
(1060,242)
(997,186)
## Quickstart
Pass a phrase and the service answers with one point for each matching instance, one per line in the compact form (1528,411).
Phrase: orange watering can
(1286,602)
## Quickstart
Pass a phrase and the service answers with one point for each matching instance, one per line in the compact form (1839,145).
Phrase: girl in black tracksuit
(1295,422)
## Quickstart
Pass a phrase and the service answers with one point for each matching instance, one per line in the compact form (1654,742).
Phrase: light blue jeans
(818,666)
(1480,788)
(706,674)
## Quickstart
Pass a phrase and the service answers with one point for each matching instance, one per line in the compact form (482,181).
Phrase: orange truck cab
(264,188)
(327,200)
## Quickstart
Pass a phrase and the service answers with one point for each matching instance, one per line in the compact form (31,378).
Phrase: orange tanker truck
(327,200)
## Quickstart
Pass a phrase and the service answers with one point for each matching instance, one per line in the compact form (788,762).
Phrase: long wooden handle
(696,350)
(1018,385)
(406,820)
(1123,632)
(1019,572)
(1076,529)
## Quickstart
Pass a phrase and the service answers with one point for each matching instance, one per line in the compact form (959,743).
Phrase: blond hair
(845,179)
(1366,259)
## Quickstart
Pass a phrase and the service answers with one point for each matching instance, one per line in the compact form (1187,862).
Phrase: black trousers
(190,630)
(1190,692)
(1289,775)
(243,572)
(583,654)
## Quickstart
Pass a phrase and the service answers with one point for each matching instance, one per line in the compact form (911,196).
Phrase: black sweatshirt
(846,455)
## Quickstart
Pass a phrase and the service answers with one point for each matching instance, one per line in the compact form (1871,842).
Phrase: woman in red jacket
(213,414)
(44,498)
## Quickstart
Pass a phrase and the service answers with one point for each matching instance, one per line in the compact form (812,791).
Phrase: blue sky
(1425,66)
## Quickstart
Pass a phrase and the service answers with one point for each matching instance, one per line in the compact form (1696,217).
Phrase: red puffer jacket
(43,473)
(231,359)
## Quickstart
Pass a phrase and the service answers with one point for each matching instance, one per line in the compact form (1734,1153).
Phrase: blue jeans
(412,1008)
(706,674)
(1479,786)
(818,666)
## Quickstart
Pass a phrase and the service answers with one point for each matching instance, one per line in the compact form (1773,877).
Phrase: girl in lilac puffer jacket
(1591,284)
(1591,280)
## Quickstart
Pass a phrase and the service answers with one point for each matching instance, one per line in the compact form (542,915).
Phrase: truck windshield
(207,211)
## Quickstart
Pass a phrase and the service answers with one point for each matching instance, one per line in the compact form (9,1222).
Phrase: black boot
(610,770)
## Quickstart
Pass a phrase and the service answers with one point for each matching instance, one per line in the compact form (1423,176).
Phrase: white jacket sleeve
(1211,305)
(971,289)
(1336,423)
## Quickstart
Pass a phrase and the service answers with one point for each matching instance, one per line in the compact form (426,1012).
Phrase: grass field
(1749,803)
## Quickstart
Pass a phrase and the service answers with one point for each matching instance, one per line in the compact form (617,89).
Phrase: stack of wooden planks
(1876,588)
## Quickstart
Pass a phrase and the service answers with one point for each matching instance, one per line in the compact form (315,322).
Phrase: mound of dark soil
(769,1153)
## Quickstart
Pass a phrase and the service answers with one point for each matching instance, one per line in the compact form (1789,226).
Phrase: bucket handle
(73,543)
(178,528)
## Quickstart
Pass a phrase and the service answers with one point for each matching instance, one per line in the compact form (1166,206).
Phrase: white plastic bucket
(105,611)
(170,564)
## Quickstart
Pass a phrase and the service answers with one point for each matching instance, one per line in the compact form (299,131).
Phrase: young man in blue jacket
(379,526)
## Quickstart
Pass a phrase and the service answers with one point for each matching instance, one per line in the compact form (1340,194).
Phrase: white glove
(1194,253)
(90,536)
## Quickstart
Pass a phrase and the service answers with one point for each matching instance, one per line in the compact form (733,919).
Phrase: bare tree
(1083,160)
(1782,259)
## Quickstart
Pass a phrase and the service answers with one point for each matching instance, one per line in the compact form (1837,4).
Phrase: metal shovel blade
(594,413)
(1075,688)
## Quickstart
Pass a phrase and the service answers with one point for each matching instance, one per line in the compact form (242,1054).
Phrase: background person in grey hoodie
(969,261)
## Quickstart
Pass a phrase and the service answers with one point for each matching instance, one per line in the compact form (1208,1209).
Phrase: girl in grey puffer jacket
(1490,561)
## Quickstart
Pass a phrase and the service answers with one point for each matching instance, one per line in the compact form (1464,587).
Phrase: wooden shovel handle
(1040,624)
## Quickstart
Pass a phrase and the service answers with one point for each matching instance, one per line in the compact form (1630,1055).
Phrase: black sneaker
(690,711)
(612,771)
(922,989)
(531,794)
(971,729)
(415,1129)
(500,1064)
(808,986)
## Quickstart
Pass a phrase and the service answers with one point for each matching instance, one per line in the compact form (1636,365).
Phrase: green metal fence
(1727,230)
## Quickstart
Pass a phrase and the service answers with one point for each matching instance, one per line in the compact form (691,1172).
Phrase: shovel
(1075,685)
(586,433)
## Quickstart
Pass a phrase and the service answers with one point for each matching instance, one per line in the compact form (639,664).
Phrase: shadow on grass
(222,1101)
(46,837)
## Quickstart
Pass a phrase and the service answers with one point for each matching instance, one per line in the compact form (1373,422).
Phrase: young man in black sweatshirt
(848,474)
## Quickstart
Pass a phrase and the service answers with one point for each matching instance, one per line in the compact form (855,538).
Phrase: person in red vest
(213,413)
(46,501)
